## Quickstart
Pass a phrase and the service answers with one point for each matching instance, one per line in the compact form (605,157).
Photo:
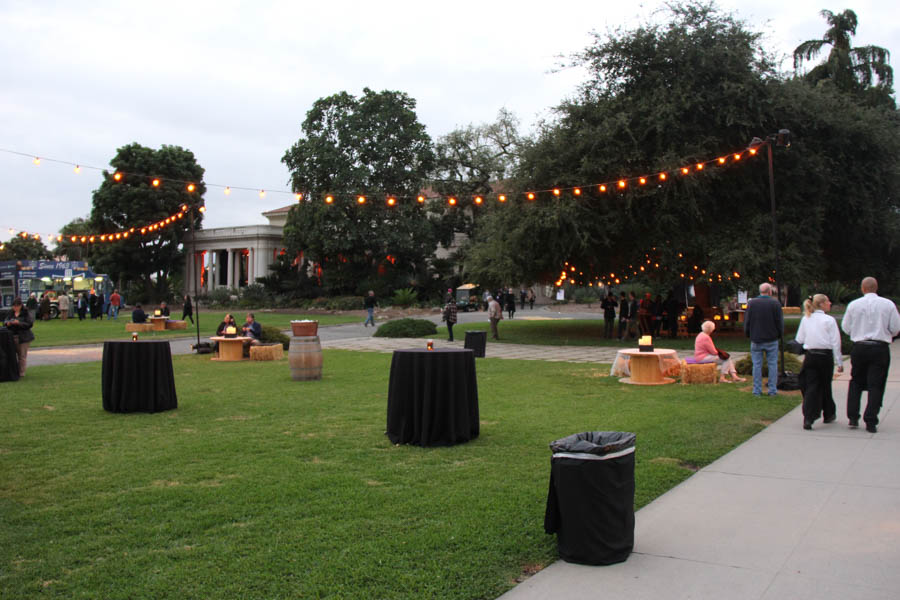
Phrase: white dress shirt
(819,331)
(871,318)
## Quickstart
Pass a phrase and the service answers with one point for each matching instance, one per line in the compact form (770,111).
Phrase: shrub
(585,296)
(273,335)
(402,328)
(221,297)
(255,295)
(405,297)
(745,365)
(345,303)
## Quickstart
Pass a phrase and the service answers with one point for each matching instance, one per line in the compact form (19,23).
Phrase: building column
(229,273)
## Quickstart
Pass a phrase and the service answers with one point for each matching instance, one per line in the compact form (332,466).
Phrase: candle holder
(645,344)
(430,344)
(134,336)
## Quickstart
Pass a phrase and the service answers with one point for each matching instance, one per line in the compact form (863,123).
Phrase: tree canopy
(23,248)
(863,71)
(145,261)
(662,97)
(374,146)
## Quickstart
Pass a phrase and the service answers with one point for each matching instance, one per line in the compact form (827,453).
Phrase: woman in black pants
(821,341)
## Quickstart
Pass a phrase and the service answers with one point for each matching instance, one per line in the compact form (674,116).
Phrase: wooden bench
(139,327)
(270,352)
(699,372)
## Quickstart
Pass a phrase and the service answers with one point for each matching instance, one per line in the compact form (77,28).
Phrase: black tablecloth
(433,397)
(9,359)
(138,377)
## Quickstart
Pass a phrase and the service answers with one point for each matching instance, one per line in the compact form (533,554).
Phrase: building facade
(233,257)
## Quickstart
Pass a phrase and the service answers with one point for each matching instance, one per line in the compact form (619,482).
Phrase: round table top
(221,338)
(656,352)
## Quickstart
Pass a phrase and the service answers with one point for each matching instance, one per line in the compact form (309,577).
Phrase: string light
(391,201)
(577,191)
(36,161)
(262,193)
(531,196)
(360,199)
(451,201)
(479,200)
(227,190)
(501,198)
(117,176)
(77,169)
(155,183)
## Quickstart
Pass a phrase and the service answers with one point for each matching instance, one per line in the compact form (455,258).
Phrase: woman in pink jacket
(705,351)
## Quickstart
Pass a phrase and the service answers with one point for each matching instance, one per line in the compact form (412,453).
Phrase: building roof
(278,211)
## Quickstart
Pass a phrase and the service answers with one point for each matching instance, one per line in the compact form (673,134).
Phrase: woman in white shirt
(821,341)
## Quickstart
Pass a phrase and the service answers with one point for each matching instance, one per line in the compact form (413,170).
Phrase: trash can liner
(594,442)
(590,503)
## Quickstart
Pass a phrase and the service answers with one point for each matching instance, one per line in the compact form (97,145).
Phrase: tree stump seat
(699,372)
(268,352)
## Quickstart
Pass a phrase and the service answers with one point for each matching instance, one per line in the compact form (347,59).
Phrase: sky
(232,81)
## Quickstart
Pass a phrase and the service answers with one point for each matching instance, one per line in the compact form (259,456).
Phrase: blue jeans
(114,309)
(756,355)
(371,317)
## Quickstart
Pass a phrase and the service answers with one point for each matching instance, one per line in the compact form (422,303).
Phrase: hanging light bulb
(299,197)
(420,199)
(77,169)
(36,160)
(662,176)
(262,193)
(501,198)
(531,195)
(391,201)
(191,187)
(329,199)
(577,191)
(227,190)
(117,176)
(360,199)
(479,200)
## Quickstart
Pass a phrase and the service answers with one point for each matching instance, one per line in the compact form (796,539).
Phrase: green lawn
(589,332)
(261,487)
(72,331)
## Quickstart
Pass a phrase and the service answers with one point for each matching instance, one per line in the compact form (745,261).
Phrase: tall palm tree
(850,69)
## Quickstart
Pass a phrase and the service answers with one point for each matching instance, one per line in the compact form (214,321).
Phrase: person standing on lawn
(115,303)
(19,322)
(370,303)
(495,314)
(871,322)
(609,315)
(818,332)
(63,301)
(187,312)
(623,316)
(764,325)
(449,316)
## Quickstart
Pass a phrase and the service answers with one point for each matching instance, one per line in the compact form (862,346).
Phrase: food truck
(21,278)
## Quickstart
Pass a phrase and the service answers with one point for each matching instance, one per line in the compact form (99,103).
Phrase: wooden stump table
(645,366)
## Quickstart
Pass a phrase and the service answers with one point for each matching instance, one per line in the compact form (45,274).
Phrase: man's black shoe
(871,428)
(807,424)
(829,419)
(854,423)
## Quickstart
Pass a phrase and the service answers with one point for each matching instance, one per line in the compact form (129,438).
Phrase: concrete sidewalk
(789,514)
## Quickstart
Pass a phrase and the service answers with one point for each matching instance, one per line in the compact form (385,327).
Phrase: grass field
(589,332)
(72,331)
(261,487)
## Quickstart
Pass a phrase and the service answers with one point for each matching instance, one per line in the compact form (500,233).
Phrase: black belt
(871,342)
(818,351)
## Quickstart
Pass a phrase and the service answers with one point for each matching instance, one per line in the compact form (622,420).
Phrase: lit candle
(134,336)
(430,344)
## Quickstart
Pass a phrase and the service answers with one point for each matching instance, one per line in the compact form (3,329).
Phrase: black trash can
(590,505)
(477,342)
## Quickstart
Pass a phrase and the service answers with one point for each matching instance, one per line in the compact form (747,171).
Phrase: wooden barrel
(305,358)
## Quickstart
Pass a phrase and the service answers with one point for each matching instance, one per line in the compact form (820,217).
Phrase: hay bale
(176,324)
(139,327)
(270,352)
(699,373)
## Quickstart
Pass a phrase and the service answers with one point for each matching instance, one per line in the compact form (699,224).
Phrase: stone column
(229,273)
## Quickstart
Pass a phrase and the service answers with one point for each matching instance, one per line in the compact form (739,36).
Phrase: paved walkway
(790,514)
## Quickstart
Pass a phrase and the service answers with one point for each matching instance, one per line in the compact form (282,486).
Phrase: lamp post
(194,270)
(782,138)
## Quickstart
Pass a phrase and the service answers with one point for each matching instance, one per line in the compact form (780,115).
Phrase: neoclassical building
(232,257)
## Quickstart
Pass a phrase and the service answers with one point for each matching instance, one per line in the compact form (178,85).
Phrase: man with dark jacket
(609,315)
(764,325)
(623,316)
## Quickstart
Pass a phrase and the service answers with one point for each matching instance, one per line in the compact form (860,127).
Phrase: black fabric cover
(590,503)
(9,359)
(476,341)
(432,397)
(138,377)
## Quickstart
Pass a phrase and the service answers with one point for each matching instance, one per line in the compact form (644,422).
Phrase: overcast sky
(232,81)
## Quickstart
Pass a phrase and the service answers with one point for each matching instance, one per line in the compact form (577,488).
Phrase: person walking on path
(369,302)
(19,322)
(511,303)
(871,322)
(818,332)
(609,315)
(63,301)
(495,314)
(764,325)
(530,299)
(449,316)
(187,312)
(115,303)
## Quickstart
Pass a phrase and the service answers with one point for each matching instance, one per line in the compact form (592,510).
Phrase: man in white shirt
(871,322)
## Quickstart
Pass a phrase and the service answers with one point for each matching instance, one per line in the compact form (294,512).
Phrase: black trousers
(869,364)
(449,331)
(815,383)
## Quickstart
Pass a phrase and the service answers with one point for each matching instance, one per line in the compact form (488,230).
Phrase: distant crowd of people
(647,316)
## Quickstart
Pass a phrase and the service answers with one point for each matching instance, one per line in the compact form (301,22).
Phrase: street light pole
(194,270)
(782,138)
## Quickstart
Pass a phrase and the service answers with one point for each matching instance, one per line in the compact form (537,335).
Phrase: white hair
(707,327)
(765,289)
